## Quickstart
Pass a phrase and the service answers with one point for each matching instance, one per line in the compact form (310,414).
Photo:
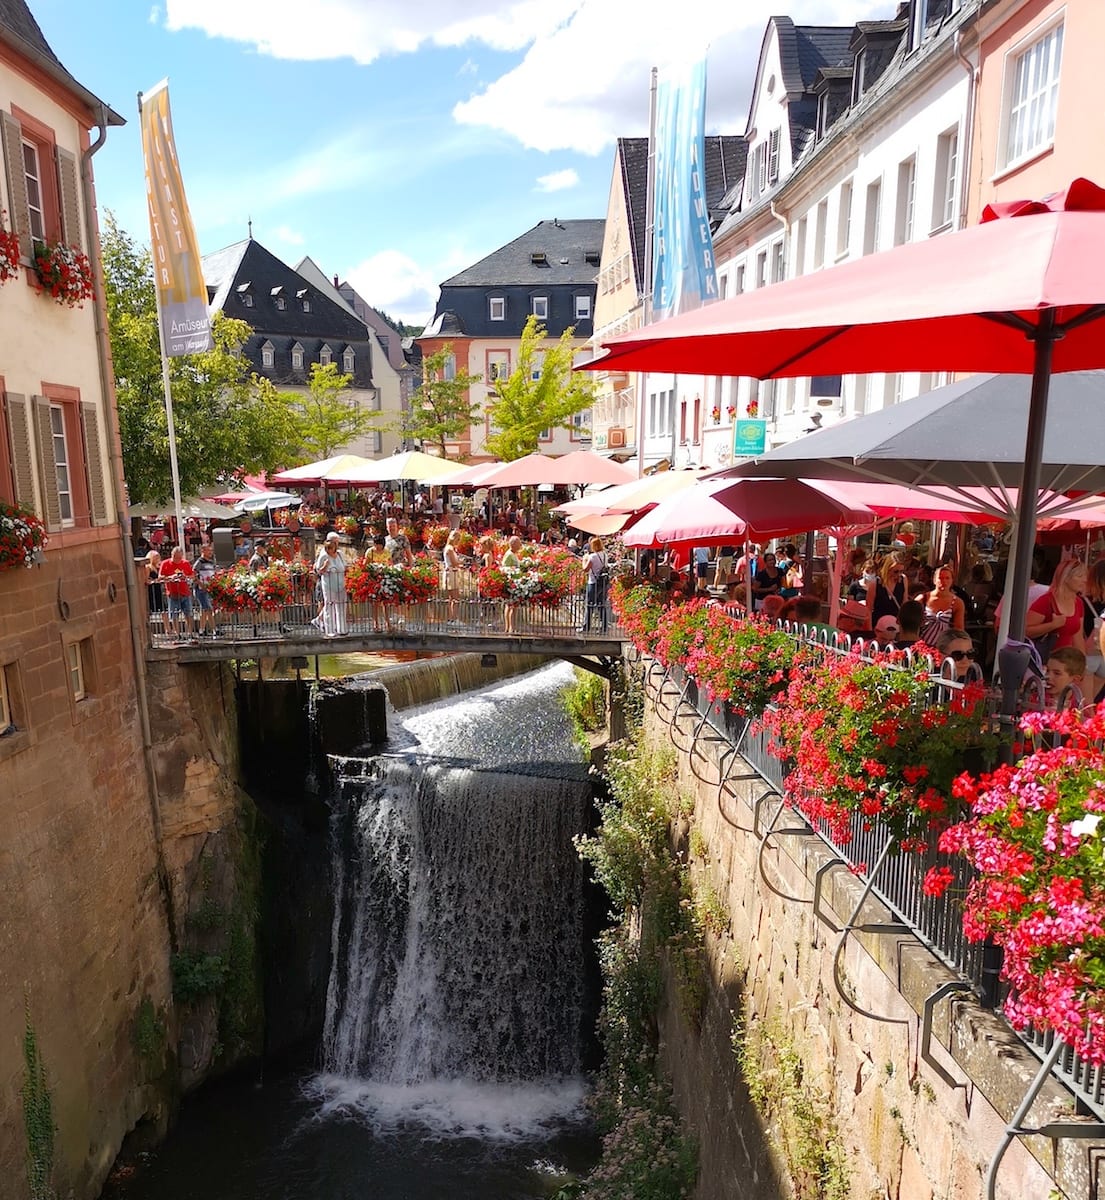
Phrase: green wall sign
(749,437)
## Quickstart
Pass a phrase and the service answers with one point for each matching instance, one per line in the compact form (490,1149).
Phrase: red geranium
(64,271)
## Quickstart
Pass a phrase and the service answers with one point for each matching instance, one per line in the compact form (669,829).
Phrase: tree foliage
(540,393)
(325,418)
(226,423)
(441,410)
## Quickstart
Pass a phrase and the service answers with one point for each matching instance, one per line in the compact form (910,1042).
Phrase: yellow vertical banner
(178,272)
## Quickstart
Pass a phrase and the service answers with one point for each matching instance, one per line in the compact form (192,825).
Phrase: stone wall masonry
(83,935)
(908,1135)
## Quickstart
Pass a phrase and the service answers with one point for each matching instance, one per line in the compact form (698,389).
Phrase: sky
(397,142)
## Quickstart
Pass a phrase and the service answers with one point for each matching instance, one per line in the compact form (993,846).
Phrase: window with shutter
(32,162)
(94,464)
(19,213)
(19,441)
(47,467)
(773,155)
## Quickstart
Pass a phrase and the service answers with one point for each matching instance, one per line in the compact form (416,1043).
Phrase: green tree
(226,422)
(540,393)
(325,417)
(441,410)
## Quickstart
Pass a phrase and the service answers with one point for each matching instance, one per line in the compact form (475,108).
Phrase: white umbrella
(201,509)
(264,501)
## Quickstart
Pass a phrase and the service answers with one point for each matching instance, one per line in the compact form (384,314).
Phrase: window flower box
(9,254)
(63,271)
(22,537)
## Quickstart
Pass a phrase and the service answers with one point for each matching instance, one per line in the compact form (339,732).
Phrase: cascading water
(457,987)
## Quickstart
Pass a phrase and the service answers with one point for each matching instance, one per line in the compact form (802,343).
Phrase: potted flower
(743,661)
(753,408)
(865,739)
(392,583)
(1036,837)
(715,414)
(239,589)
(63,271)
(22,536)
(731,410)
(348,525)
(9,253)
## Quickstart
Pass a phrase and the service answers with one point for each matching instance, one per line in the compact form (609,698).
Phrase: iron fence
(468,615)
(936,922)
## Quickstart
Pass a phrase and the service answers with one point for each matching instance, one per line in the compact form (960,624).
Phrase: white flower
(1087,827)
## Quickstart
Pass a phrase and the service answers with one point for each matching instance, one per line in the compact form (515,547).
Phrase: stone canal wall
(778,1059)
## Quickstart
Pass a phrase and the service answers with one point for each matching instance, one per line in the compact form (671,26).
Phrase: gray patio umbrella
(969,434)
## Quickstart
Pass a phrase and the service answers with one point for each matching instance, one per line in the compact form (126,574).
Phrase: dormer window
(539,258)
(822,114)
(496,308)
(279,299)
(304,299)
(297,357)
(857,76)
(245,295)
(591,258)
(268,356)
(325,356)
(348,360)
(540,308)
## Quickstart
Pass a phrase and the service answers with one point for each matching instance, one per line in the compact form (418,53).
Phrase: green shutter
(47,466)
(19,433)
(93,463)
(70,205)
(19,213)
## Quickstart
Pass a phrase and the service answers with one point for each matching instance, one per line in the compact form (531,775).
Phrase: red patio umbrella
(577,469)
(1024,291)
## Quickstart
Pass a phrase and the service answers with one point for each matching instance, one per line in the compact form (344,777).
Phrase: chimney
(335,281)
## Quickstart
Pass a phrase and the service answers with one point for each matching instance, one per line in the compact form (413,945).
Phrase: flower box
(22,537)
(392,583)
(63,271)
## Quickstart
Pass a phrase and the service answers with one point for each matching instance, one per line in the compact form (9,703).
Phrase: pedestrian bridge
(471,626)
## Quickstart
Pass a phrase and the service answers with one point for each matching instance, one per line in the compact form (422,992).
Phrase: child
(1066,668)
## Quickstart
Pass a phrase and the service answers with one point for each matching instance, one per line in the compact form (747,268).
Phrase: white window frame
(778,266)
(74,666)
(32,173)
(247,299)
(297,357)
(945,188)
(872,216)
(498,365)
(798,261)
(306,304)
(449,367)
(906,201)
(539,307)
(281,302)
(325,356)
(583,308)
(738,280)
(268,357)
(496,308)
(1021,108)
(63,465)
(821,234)
(773,140)
(348,361)
(844,220)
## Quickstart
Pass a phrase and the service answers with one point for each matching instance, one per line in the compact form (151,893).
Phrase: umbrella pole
(747,579)
(1024,541)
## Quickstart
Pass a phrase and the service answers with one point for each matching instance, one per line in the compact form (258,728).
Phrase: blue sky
(398,141)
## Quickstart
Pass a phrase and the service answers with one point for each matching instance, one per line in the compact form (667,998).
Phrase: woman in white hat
(330,569)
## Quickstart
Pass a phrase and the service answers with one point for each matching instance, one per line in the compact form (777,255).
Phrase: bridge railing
(468,616)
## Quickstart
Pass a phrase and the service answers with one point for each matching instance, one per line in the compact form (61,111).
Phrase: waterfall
(458,943)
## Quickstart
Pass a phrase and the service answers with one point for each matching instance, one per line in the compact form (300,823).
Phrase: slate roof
(563,243)
(20,30)
(725,165)
(820,46)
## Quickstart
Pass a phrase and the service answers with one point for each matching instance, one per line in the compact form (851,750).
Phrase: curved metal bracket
(675,711)
(854,925)
(951,987)
(802,831)
(732,755)
(1052,1129)
(818,887)
(694,752)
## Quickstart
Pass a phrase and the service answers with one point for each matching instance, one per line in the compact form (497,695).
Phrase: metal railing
(898,884)
(468,616)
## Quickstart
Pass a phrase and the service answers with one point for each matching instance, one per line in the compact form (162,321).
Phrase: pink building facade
(1038,120)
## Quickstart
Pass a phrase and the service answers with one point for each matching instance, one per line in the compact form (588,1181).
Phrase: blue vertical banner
(684,276)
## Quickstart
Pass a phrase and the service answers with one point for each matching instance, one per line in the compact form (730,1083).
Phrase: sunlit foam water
(455,999)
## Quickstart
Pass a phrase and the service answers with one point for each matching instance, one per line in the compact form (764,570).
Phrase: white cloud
(583,78)
(392,281)
(558,181)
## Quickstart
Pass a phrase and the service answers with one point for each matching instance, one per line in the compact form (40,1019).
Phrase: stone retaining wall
(907,1134)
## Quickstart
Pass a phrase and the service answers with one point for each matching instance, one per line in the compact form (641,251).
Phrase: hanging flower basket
(242,590)
(22,535)
(63,271)
(9,253)
(392,583)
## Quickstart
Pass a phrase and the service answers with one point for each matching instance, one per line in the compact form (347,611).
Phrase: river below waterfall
(461,996)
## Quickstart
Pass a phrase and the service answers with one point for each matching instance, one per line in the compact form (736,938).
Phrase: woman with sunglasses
(956,645)
(886,593)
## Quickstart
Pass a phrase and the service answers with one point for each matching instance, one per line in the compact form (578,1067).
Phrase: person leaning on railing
(203,570)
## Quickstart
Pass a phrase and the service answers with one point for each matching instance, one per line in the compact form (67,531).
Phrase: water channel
(461,996)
